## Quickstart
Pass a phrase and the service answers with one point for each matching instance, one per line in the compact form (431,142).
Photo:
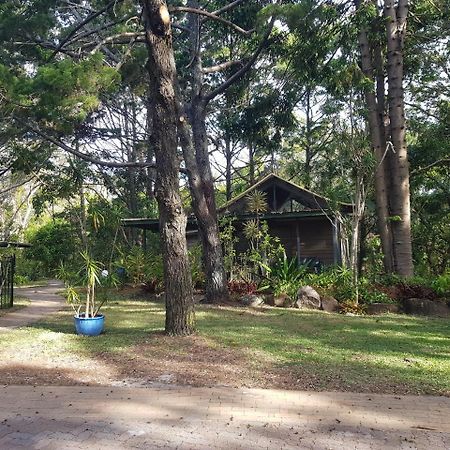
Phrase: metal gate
(7,266)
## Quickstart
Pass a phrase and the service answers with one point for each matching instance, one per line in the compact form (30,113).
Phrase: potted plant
(88,321)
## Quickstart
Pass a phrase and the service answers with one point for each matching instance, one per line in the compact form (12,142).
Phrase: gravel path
(44,300)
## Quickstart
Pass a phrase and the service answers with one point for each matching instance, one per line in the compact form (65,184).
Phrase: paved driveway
(217,418)
(77,417)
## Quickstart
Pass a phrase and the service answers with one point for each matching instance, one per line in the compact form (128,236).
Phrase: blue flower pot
(90,326)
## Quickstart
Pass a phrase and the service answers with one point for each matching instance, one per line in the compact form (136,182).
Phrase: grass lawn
(270,347)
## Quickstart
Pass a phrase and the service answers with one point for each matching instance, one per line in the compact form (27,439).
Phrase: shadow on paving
(218,418)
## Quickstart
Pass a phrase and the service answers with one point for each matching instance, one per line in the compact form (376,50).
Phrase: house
(302,220)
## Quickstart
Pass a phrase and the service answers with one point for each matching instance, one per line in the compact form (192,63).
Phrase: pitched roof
(280,190)
(4,244)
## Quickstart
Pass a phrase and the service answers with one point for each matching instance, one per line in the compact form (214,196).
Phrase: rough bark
(131,198)
(161,68)
(378,141)
(216,282)
(228,167)
(201,181)
(396,18)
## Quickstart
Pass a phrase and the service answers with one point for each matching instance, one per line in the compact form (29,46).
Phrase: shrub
(442,284)
(336,281)
(144,268)
(284,276)
(20,280)
(52,243)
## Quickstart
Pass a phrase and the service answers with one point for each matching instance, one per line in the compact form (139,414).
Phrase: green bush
(143,267)
(51,244)
(338,282)
(20,280)
(441,284)
(284,276)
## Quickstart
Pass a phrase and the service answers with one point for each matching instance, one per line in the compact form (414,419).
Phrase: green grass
(392,353)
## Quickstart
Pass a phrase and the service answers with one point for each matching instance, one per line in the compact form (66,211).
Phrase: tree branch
(84,156)
(443,161)
(228,7)
(227,83)
(222,66)
(81,25)
(121,38)
(212,16)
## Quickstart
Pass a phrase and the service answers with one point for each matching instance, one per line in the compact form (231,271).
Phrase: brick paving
(44,417)
(44,300)
(80,417)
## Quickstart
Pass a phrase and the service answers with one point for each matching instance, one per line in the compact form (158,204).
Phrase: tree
(65,90)
(196,146)
(163,77)
(388,140)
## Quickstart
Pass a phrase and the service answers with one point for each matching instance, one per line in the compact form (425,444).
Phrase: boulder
(252,300)
(282,301)
(329,303)
(269,299)
(423,306)
(382,308)
(307,297)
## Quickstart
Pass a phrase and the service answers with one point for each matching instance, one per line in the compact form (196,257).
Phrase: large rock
(283,301)
(329,303)
(382,308)
(308,297)
(426,307)
(252,300)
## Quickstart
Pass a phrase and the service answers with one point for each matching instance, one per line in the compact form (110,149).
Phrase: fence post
(13,269)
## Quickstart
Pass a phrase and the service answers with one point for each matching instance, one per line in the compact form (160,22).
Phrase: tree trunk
(308,146)
(200,176)
(229,167)
(216,288)
(399,190)
(379,145)
(251,164)
(161,68)
(131,190)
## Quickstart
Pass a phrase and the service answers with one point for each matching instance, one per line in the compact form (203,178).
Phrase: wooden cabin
(301,219)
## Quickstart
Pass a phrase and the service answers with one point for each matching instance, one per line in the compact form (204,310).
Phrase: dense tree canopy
(347,98)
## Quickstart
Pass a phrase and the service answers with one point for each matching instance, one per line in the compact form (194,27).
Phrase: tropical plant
(136,263)
(284,276)
(228,238)
(89,275)
(256,202)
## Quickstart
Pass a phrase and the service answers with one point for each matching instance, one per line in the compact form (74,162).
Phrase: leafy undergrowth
(269,347)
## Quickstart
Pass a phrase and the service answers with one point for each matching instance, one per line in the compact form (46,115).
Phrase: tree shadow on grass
(286,349)
(335,352)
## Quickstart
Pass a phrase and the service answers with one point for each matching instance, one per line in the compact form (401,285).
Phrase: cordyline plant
(89,276)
